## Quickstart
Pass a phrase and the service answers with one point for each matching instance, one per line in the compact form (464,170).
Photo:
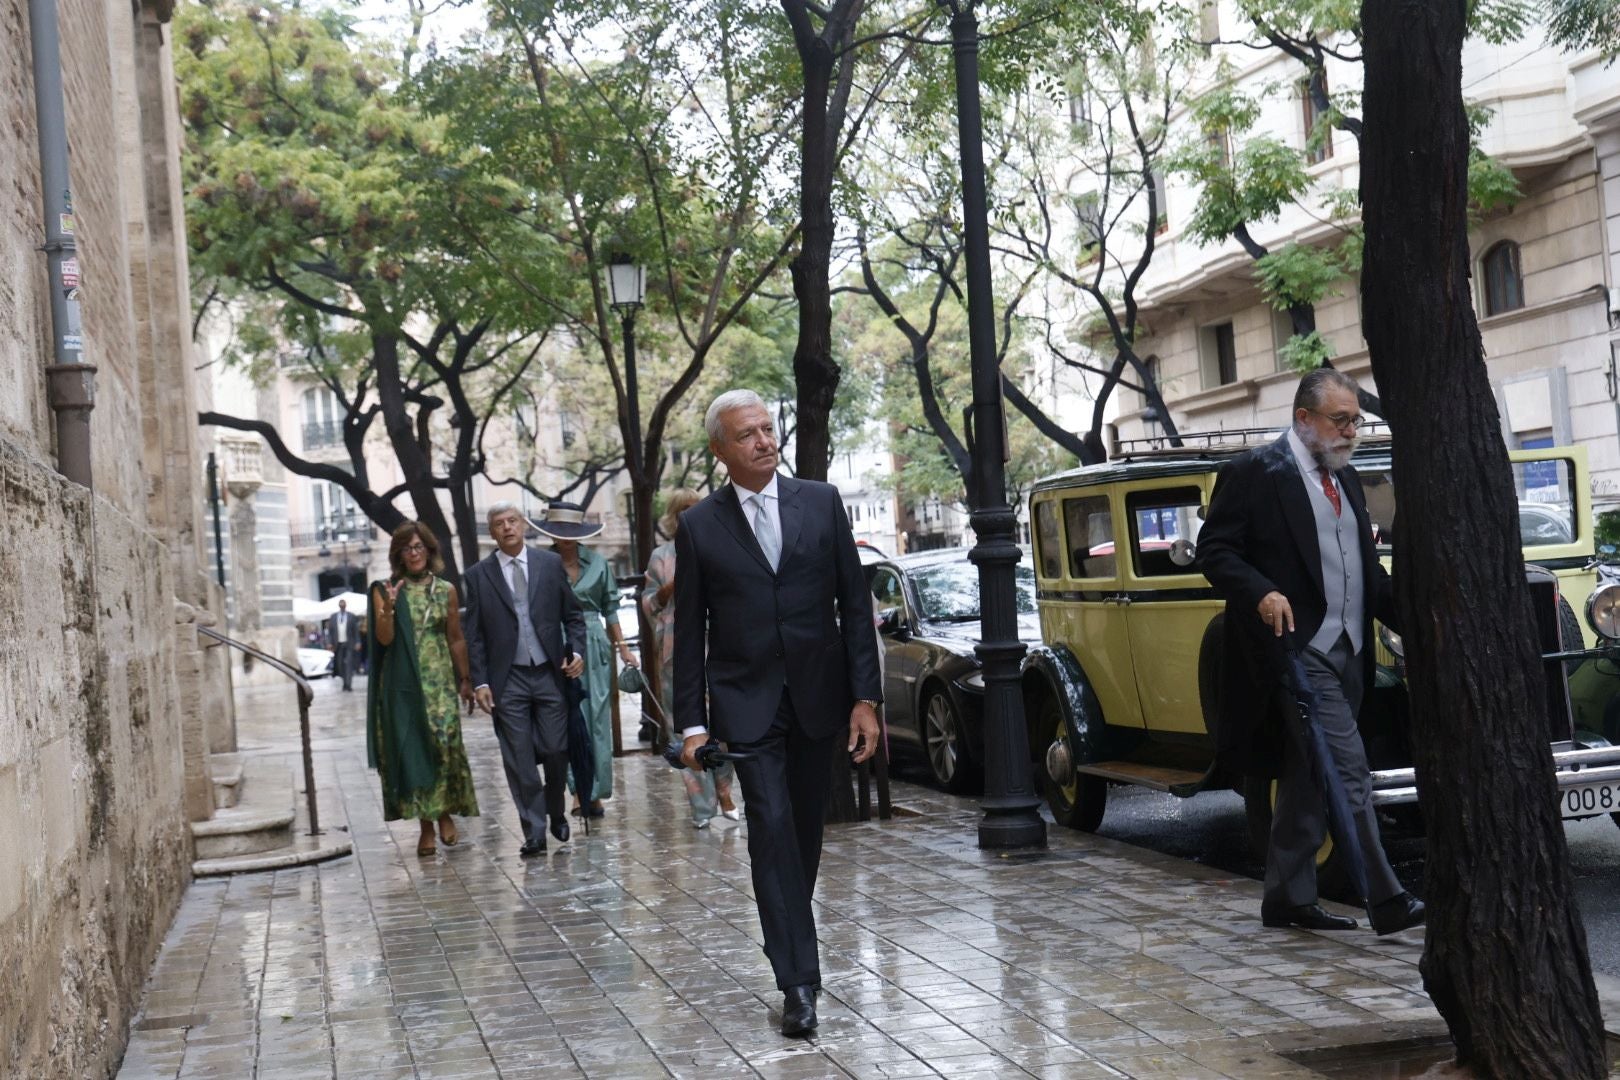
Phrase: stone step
(269,828)
(300,851)
(262,818)
(225,771)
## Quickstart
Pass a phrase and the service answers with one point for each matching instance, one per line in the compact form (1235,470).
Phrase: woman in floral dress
(418,670)
(706,789)
(598,593)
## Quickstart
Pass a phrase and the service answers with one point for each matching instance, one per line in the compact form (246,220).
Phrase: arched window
(1504,284)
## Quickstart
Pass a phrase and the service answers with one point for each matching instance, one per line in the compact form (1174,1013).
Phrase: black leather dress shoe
(1400,912)
(798,1011)
(1305,916)
(532,848)
(559,828)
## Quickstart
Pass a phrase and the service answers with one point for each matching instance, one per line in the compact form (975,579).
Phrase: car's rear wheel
(945,743)
(1079,801)
(1259,801)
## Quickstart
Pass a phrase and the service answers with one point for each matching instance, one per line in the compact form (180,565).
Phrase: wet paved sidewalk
(634,952)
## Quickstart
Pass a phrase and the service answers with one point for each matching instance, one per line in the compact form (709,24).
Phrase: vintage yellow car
(1126,681)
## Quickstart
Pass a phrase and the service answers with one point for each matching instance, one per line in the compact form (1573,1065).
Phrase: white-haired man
(774,654)
(518,604)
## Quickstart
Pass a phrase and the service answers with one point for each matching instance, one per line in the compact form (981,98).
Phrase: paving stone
(634,951)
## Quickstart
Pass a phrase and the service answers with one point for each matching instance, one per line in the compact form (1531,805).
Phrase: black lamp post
(1011,808)
(627,290)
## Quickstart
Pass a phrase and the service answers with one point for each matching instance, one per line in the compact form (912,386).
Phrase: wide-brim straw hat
(566,521)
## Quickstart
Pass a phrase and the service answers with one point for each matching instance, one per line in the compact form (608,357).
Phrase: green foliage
(1302,273)
(1585,24)
(1305,352)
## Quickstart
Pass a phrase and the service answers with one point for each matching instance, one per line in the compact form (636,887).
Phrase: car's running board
(1181,782)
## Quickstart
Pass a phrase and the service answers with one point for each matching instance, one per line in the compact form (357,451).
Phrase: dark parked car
(933,690)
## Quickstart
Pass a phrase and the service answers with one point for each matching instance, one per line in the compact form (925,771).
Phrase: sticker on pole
(70,273)
(65,224)
(73,343)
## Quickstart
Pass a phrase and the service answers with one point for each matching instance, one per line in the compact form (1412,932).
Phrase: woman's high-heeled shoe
(447,831)
(424,843)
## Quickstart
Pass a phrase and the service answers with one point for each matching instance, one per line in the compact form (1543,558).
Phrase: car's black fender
(1052,675)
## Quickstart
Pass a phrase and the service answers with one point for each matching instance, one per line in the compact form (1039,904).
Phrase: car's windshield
(1546,502)
(951,590)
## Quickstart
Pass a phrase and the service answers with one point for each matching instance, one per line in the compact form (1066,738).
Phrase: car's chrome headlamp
(1392,642)
(1603,611)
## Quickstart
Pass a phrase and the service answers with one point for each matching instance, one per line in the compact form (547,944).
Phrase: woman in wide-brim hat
(598,593)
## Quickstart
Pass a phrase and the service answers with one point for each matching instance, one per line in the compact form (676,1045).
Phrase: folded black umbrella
(1313,746)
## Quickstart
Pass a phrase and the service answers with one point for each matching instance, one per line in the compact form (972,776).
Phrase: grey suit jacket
(490,625)
(804,629)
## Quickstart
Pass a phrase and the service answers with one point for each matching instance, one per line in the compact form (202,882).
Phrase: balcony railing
(321,433)
(334,531)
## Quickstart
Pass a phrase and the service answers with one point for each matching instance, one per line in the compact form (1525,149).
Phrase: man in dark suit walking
(774,654)
(1288,542)
(343,638)
(518,604)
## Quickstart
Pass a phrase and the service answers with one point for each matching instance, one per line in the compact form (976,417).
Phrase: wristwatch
(868,701)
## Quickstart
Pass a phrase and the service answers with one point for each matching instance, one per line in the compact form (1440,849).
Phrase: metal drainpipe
(71,383)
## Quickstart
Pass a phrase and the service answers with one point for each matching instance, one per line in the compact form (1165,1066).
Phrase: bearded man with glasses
(1288,543)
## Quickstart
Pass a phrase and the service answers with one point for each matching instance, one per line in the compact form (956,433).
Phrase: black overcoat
(1259,536)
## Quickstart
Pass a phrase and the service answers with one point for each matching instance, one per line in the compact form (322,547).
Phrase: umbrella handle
(708,755)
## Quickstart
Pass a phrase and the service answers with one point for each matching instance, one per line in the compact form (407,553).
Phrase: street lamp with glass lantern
(626,291)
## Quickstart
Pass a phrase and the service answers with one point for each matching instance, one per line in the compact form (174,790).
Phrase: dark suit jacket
(805,629)
(1260,536)
(332,621)
(490,625)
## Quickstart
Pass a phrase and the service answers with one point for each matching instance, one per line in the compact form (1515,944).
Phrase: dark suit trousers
(785,791)
(531,722)
(1299,822)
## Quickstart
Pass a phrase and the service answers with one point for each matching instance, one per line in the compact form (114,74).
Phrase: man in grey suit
(774,653)
(343,636)
(518,603)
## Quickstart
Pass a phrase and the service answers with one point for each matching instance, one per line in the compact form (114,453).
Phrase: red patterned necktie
(1331,490)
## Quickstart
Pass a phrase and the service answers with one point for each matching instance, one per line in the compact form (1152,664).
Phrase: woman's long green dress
(598,594)
(413,714)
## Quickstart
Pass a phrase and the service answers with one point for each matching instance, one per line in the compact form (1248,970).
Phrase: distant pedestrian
(591,578)
(774,654)
(518,607)
(343,638)
(1288,543)
(418,661)
(707,790)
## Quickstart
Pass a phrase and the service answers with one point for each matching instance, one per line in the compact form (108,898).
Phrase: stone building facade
(109,706)
(1544,273)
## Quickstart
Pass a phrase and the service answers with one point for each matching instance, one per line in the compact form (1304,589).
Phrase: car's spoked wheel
(1077,801)
(942,735)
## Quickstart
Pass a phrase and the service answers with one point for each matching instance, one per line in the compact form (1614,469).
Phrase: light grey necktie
(765,531)
(520,581)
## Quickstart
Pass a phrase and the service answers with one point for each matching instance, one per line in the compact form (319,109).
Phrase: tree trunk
(815,374)
(413,462)
(1505,958)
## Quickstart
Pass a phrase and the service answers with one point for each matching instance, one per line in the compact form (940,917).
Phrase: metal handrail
(306,695)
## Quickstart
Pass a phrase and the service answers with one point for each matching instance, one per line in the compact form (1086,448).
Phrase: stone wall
(108,707)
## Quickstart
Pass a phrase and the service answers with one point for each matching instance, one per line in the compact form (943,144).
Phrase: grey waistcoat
(528,647)
(1336,539)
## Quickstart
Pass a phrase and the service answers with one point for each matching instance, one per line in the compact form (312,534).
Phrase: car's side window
(1048,540)
(1158,519)
(1379,491)
(886,591)
(1089,525)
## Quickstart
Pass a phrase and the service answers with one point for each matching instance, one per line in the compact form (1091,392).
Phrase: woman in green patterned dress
(598,593)
(418,663)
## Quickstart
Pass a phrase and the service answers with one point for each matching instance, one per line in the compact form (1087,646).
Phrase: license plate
(1590,799)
